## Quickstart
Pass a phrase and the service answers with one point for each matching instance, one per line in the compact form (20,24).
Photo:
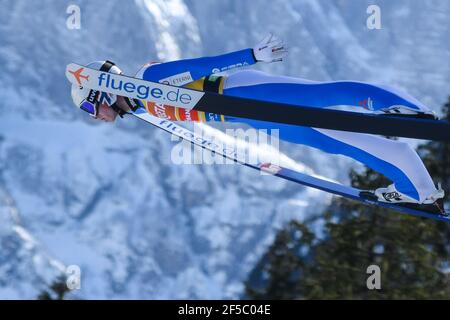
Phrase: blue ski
(284,173)
(351,193)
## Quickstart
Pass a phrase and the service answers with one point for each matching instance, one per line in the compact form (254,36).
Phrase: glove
(270,49)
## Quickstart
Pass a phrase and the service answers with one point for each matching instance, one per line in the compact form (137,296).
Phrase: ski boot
(432,204)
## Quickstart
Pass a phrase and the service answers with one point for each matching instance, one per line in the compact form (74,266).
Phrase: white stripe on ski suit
(399,154)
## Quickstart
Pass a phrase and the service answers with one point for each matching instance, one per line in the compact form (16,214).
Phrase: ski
(387,125)
(281,172)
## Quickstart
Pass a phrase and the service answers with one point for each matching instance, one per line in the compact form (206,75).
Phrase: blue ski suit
(396,160)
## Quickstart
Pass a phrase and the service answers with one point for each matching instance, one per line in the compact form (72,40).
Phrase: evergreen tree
(411,252)
(56,291)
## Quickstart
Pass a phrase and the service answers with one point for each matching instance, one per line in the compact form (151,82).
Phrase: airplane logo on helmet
(77,74)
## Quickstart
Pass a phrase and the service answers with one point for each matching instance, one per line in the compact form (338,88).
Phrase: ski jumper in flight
(411,182)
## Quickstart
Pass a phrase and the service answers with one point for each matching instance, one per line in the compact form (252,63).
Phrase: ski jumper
(396,160)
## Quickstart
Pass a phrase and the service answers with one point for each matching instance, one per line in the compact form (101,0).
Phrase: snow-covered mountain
(107,197)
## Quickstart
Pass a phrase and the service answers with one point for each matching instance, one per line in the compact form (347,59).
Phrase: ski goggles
(95,99)
(89,107)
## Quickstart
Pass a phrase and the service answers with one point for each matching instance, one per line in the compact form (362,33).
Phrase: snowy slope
(107,198)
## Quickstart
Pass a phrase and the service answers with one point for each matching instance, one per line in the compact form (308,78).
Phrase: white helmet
(89,99)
